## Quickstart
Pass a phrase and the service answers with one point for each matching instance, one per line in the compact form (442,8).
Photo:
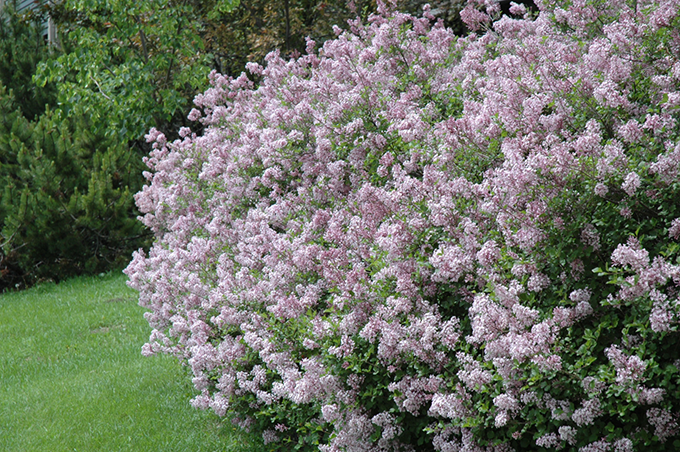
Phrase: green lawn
(72,377)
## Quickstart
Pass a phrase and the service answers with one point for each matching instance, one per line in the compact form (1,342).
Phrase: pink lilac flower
(631,254)
(489,254)
(664,422)
(269,436)
(623,445)
(473,375)
(666,165)
(650,396)
(591,384)
(506,402)
(450,263)
(568,434)
(577,269)
(631,183)
(590,236)
(501,418)
(601,189)
(629,369)
(662,316)
(388,423)
(674,230)
(631,131)
(330,412)
(549,441)
(449,406)
(596,446)
(580,295)
(587,413)
(538,282)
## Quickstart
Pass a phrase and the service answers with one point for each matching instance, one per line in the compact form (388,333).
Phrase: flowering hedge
(406,240)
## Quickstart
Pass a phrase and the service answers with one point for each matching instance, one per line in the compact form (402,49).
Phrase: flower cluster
(406,237)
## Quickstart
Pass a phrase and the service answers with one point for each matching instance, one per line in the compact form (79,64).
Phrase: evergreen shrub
(66,206)
(408,240)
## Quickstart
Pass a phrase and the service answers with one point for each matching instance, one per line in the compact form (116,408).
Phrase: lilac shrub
(406,240)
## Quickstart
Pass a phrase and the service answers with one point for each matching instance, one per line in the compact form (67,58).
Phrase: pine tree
(66,207)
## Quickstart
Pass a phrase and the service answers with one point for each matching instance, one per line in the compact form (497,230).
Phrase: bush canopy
(407,240)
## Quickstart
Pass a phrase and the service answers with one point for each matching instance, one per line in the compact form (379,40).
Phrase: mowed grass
(72,377)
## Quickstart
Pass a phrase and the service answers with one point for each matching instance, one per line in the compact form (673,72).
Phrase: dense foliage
(129,65)
(66,204)
(410,241)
